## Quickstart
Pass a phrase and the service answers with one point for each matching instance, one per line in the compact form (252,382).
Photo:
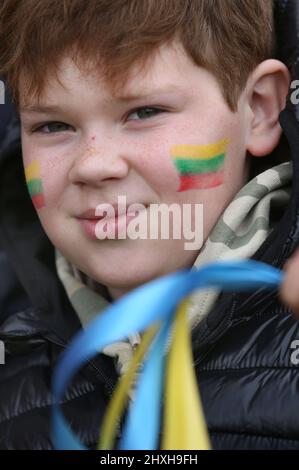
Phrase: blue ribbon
(135,312)
(145,411)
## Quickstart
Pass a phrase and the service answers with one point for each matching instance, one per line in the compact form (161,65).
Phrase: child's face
(103,148)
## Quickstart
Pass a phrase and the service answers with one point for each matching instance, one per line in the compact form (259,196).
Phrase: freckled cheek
(54,189)
(158,169)
(55,185)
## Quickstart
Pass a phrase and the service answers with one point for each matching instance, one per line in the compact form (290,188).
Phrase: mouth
(110,224)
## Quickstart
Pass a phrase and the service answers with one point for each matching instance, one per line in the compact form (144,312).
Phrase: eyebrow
(40,109)
(124,98)
(146,93)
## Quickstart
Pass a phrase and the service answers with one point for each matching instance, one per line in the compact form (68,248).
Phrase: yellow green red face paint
(34,184)
(199,166)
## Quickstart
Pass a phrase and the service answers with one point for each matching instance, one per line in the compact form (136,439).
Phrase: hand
(289,291)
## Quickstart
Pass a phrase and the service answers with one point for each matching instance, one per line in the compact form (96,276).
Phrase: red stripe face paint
(205,181)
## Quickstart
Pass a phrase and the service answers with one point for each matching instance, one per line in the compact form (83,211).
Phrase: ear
(266,91)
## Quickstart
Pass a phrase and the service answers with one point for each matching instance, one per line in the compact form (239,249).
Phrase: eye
(145,113)
(53,127)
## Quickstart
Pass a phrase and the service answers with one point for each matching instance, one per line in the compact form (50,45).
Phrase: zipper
(110,387)
(108,382)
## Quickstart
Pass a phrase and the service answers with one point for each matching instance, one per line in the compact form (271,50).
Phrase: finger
(289,291)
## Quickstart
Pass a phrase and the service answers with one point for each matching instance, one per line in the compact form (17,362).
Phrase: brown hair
(229,38)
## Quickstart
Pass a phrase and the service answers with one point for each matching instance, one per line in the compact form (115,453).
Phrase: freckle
(90,150)
(93,137)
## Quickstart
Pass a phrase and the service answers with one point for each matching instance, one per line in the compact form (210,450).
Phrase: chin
(126,281)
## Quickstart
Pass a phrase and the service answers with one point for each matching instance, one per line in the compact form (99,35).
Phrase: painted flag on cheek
(34,184)
(200,166)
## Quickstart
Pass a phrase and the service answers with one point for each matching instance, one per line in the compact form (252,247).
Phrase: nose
(97,164)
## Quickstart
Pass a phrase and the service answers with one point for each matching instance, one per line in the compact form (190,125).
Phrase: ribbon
(158,307)
(184,422)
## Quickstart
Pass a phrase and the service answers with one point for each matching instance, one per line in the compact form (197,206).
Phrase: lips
(90,214)
(111,225)
(89,227)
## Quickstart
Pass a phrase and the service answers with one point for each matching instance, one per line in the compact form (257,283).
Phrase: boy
(109,93)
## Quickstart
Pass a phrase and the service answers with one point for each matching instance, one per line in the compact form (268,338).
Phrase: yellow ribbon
(184,422)
(120,396)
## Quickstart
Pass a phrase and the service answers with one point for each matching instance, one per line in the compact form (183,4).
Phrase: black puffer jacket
(242,351)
